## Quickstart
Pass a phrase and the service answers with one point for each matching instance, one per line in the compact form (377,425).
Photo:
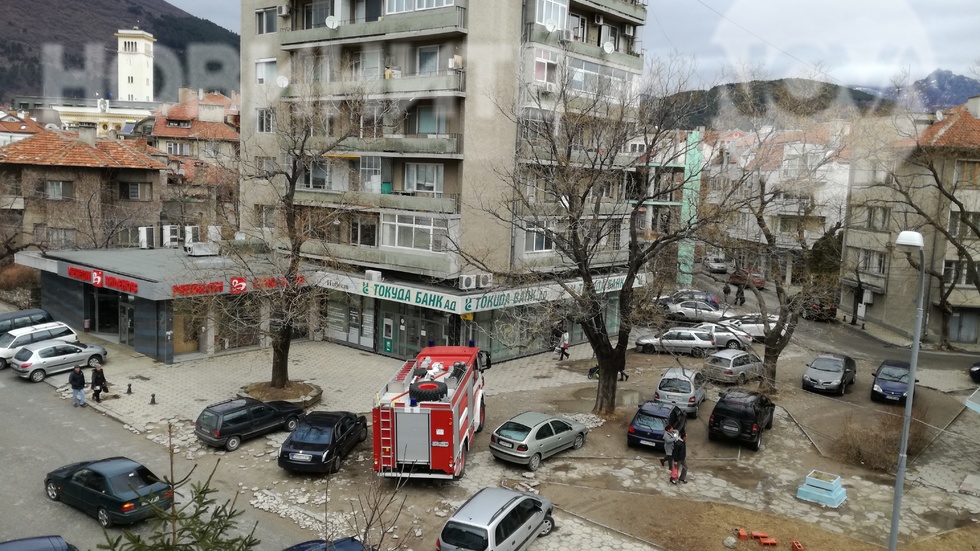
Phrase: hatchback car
(830,373)
(726,336)
(748,277)
(715,264)
(497,519)
(684,388)
(651,421)
(891,381)
(733,366)
(116,490)
(741,415)
(321,440)
(529,437)
(230,422)
(37,361)
(678,340)
(694,310)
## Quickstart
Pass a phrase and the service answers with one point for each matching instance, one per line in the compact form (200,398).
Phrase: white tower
(135,61)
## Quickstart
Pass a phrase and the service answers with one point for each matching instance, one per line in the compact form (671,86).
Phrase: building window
(579,26)
(536,126)
(586,76)
(428,60)
(878,218)
(265,122)
(872,262)
(959,224)
(265,21)
(177,148)
(367,65)
(415,232)
(538,239)
(129,79)
(135,191)
(371,174)
(61,238)
(553,12)
(265,167)
(968,173)
(323,176)
(955,271)
(59,190)
(372,121)
(211,149)
(424,178)
(609,33)
(364,232)
(399,6)
(429,4)
(265,71)
(545,66)
(312,68)
(178,123)
(266,216)
(430,119)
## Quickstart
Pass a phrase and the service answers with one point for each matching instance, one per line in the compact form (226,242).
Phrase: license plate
(892,397)
(300,457)
(648,443)
(506,444)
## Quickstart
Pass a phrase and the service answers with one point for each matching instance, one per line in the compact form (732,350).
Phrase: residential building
(14,127)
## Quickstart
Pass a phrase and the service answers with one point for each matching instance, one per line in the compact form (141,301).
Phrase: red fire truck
(426,415)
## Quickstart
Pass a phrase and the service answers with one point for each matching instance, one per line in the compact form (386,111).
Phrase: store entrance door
(126,318)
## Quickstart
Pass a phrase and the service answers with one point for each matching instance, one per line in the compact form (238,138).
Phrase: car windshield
(465,536)
(718,361)
(650,422)
(132,481)
(897,374)
(827,364)
(675,385)
(309,434)
(514,431)
(6,340)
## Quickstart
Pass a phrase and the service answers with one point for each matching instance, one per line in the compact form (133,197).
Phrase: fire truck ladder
(386,418)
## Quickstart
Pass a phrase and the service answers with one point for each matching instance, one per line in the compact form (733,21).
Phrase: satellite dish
(939,115)
(608,47)
(331,22)
(550,26)
(282,81)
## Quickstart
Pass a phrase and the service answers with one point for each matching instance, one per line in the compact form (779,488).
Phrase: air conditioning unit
(147,237)
(467,282)
(598,19)
(284,10)
(171,234)
(628,30)
(456,62)
(372,275)
(565,35)
(549,88)
(203,249)
(484,280)
(192,234)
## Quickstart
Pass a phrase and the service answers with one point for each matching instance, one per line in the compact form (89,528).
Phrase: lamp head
(910,238)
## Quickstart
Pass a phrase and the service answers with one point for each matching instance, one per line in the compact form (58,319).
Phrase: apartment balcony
(633,10)
(548,209)
(397,200)
(628,55)
(542,262)
(428,23)
(11,202)
(395,85)
(541,152)
(435,145)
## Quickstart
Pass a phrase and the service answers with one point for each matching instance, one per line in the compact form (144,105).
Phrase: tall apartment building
(409,189)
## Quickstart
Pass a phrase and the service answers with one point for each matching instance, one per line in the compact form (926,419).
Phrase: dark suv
(228,423)
(741,415)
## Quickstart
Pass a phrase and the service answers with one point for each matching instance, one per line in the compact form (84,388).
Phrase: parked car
(116,490)
(753,324)
(650,422)
(43,543)
(343,544)
(715,264)
(678,340)
(497,519)
(816,307)
(687,294)
(682,387)
(11,341)
(38,360)
(829,372)
(23,318)
(320,440)
(694,310)
(529,437)
(230,422)
(733,366)
(974,372)
(726,336)
(748,277)
(741,415)
(891,381)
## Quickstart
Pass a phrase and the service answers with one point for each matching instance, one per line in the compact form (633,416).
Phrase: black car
(830,372)
(651,419)
(741,415)
(321,440)
(975,372)
(343,544)
(230,422)
(43,543)
(115,490)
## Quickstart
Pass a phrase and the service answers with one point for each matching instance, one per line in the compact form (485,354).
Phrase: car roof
(679,373)
(834,355)
(656,409)
(729,353)
(896,363)
(35,346)
(531,418)
(111,466)
(230,404)
(323,417)
(344,544)
(739,395)
(42,543)
(485,505)
(39,327)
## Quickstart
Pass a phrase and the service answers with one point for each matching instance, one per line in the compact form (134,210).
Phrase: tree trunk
(944,343)
(282,338)
(856,302)
(610,361)
(768,383)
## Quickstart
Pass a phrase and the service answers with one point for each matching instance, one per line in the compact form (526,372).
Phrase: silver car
(684,388)
(694,310)
(753,324)
(531,436)
(497,519)
(733,366)
(38,360)
(715,264)
(678,340)
(727,336)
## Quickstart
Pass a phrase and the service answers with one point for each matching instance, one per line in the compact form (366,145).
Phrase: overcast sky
(864,42)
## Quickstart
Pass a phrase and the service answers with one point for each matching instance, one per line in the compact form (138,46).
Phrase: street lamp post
(914,240)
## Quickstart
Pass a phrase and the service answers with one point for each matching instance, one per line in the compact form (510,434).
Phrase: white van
(11,341)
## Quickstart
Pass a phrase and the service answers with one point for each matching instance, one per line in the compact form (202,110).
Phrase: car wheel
(649,349)
(462,467)
(362,436)
(291,424)
(873,397)
(842,388)
(233,443)
(547,526)
(95,360)
(534,463)
(697,352)
(694,414)
(51,489)
(769,422)
(579,441)
(37,375)
(483,417)
(757,445)
(733,345)
(740,380)
(335,464)
(104,519)
(3,363)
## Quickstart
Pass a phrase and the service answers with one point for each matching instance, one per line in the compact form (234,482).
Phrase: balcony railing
(629,53)
(444,203)
(634,10)
(432,22)
(417,144)
(417,85)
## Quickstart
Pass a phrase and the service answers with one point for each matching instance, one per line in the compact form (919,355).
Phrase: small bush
(15,276)
(872,441)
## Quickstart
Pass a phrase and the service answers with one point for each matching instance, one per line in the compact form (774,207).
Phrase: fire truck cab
(425,417)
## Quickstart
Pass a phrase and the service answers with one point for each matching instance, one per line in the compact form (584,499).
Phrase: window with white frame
(61,238)
(579,25)
(372,121)
(178,148)
(960,222)
(872,262)
(428,60)
(371,173)
(878,218)
(367,65)
(554,12)
(968,173)
(59,190)
(265,121)
(430,119)
(364,232)
(587,76)
(537,238)
(399,6)
(312,67)
(415,232)
(265,21)
(265,166)
(265,215)
(429,4)
(424,177)
(135,191)
(545,65)
(315,14)
(211,149)
(609,33)
(537,125)
(323,176)
(955,271)
(265,71)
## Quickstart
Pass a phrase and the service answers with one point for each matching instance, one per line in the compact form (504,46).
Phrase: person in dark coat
(99,384)
(77,382)
(679,456)
(740,295)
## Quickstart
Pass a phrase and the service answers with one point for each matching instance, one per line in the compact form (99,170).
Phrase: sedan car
(116,490)
(726,336)
(321,440)
(694,310)
(733,366)
(830,373)
(748,277)
(753,324)
(715,264)
(678,340)
(974,372)
(530,437)
(681,387)
(891,381)
(650,422)
(38,360)
(42,543)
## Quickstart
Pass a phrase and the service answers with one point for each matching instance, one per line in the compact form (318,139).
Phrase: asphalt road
(41,432)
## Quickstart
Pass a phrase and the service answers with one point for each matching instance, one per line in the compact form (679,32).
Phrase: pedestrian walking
(679,456)
(726,290)
(556,333)
(77,381)
(563,347)
(669,438)
(740,295)
(623,375)
(99,384)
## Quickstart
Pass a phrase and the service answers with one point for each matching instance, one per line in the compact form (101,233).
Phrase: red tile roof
(57,148)
(15,125)
(958,128)
(198,130)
